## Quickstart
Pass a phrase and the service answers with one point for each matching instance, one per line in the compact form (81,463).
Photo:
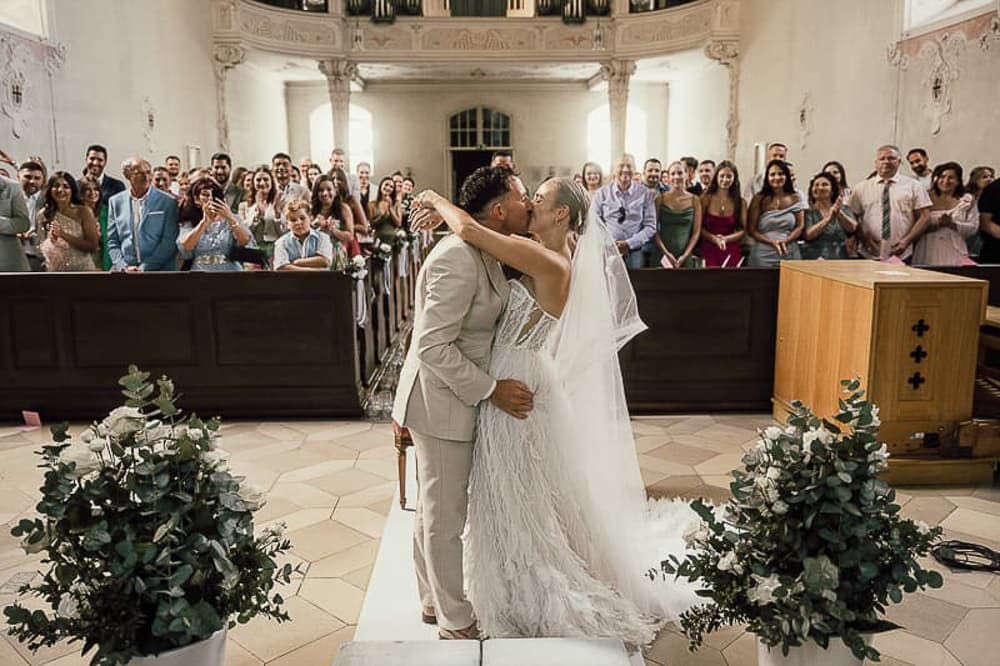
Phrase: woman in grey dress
(775,220)
(828,223)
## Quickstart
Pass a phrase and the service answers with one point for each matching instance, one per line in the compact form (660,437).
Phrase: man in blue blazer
(142,223)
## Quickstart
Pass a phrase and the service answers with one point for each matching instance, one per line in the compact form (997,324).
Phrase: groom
(460,294)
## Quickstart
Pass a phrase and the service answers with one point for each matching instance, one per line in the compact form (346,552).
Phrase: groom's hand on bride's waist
(513,397)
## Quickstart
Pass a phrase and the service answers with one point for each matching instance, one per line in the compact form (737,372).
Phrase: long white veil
(629,536)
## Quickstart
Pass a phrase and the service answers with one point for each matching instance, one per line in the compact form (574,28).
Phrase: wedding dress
(560,536)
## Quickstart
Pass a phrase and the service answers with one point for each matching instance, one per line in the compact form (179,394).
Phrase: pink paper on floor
(894,260)
(32,420)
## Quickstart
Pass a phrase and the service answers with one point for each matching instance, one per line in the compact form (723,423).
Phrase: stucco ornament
(940,60)
(15,86)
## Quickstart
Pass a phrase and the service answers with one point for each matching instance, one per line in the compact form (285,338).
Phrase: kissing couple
(532,518)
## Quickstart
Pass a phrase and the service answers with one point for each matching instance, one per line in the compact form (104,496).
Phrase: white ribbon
(402,263)
(386,276)
(360,303)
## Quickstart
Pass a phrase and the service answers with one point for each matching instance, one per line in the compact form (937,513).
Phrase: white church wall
(258,122)
(831,62)
(123,59)
(699,110)
(549,124)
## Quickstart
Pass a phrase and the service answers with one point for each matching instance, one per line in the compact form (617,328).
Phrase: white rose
(252,496)
(696,534)
(123,421)
(215,458)
(86,460)
(773,433)
(158,433)
(876,421)
(821,435)
(180,431)
(69,607)
(97,445)
(922,527)
(880,457)
(779,507)
(728,562)
(87,436)
(195,434)
(763,592)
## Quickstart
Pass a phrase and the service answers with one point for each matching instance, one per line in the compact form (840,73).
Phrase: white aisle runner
(391,610)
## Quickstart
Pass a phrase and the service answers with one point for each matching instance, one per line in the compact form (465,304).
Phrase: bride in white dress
(560,535)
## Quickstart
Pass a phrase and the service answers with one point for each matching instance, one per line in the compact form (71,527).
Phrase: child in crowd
(302,248)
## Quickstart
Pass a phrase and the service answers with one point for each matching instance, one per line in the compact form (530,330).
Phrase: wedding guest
(397,184)
(836,169)
(296,175)
(952,219)
(72,234)
(891,208)
(503,158)
(305,163)
(691,165)
(222,168)
(302,248)
(979,178)
(920,166)
(246,184)
(281,168)
(145,207)
(338,160)
(775,151)
(31,177)
(364,184)
(651,170)
(678,221)
(210,242)
(161,179)
(828,224)
(187,211)
(183,183)
(775,219)
(725,221)
(989,223)
(312,173)
(359,216)
(90,195)
(14,220)
(263,215)
(96,160)
(173,164)
(332,215)
(706,170)
(384,212)
(593,178)
(628,209)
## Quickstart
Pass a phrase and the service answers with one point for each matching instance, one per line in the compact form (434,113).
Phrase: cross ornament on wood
(920,328)
(916,380)
(918,354)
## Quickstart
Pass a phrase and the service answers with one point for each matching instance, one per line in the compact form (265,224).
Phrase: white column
(225,57)
(727,53)
(339,73)
(618,73)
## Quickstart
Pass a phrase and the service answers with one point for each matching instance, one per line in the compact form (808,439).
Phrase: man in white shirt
(281,167)
(775,151)
(892,209)
(920,166)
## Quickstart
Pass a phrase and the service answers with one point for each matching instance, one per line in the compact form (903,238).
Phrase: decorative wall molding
(727,53)
(990,34)
(805,119)
(224,57)
(941,62)
(22,57)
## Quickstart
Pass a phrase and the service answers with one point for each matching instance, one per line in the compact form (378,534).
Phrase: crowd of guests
(279,216)
(692,213)
(697,213)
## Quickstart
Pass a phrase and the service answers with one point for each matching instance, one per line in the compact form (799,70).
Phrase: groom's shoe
(470,633)
(428,615)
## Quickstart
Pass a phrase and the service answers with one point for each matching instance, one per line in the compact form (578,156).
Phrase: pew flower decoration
(811,547)
(147,537)
(383,251)
(401,240)
(357,267)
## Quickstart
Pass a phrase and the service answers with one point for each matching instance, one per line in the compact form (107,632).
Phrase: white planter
(810,654)
(209,652)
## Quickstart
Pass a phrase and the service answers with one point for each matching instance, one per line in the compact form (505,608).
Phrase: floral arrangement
(811,546)
(382,251)
(148,537)
(401,239)
(357,267)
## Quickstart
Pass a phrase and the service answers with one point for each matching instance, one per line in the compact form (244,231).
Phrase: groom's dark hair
(484,186)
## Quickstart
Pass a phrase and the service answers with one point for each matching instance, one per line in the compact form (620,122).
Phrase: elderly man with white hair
(142,223)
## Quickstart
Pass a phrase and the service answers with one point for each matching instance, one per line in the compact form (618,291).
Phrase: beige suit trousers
(443,468)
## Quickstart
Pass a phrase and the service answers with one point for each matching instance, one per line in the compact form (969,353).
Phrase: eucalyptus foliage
(812,546)
(148,538)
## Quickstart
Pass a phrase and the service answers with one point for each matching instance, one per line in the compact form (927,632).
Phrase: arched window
(599,135)
(27,15)
(360,131)
(918,13)
(479,129)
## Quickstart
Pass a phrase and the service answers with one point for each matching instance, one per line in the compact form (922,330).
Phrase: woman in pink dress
(953,218)
(725,219)
(72,233)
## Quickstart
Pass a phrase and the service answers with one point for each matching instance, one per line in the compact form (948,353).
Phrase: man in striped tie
(892,209)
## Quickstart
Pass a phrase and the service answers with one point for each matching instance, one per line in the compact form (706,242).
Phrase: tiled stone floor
(332,483)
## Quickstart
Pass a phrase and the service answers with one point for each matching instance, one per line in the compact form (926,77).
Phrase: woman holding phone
(210,241)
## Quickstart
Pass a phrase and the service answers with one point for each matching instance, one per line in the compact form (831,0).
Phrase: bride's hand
(423,219)
(426,200)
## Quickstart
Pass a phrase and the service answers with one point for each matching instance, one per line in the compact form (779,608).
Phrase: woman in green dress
(678,221)
(828,224)
(384,213)
(90,193)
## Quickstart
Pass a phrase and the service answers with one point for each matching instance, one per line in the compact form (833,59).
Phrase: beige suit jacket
(460,294)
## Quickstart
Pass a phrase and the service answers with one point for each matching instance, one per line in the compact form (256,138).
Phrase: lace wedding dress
(539,559)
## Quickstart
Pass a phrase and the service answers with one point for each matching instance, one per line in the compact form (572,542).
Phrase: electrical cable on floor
(965,555)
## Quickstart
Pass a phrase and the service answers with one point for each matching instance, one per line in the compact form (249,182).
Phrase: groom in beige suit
(460,294)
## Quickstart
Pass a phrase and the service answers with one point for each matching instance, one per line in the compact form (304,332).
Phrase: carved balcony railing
(525,34)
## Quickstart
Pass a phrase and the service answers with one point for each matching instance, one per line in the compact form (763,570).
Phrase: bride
(559,534)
